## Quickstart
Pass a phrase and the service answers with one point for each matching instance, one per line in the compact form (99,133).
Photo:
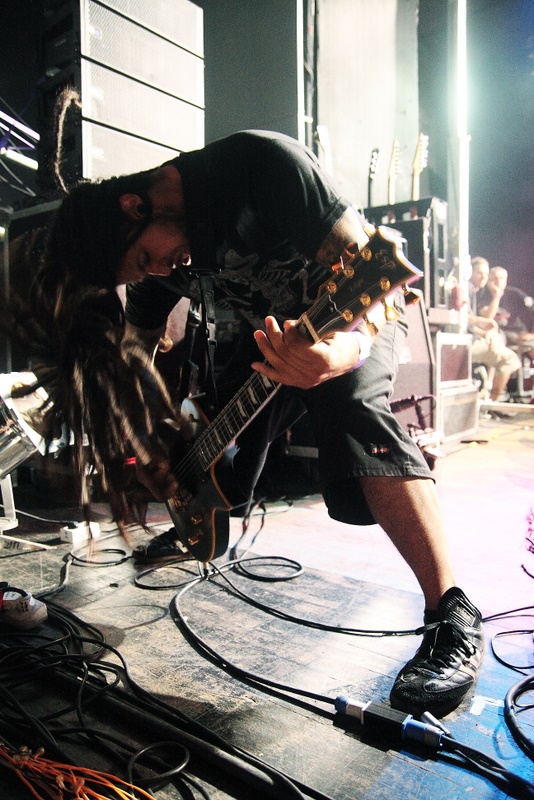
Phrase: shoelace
(449,638)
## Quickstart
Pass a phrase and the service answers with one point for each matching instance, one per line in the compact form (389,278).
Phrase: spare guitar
(393,171)
(420,161)
(373,165)
(199,509)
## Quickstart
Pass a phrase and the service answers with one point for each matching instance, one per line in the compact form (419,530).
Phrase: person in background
(511,308)
(489,346)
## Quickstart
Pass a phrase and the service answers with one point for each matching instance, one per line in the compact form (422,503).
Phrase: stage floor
(257,678)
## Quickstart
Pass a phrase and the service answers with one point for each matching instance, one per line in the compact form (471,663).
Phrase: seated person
(489,346)
(511,308)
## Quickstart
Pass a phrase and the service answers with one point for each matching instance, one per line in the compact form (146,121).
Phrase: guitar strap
(208,318)
(188,383)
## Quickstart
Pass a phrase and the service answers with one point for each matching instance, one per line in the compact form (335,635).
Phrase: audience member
(489,346)
(511,308)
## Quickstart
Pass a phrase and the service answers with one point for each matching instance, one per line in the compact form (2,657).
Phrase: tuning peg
(409,296)
(390,313)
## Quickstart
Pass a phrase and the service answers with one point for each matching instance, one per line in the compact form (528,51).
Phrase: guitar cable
(380,718)
(375,717)
(240,560)
(74,660)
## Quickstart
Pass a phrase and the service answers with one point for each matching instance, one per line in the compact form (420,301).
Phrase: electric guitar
(373,166)
(393,171)
(200,508)
(420,161)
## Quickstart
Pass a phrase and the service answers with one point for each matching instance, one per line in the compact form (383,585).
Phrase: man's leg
(499,384)
(418,532)
(445,666)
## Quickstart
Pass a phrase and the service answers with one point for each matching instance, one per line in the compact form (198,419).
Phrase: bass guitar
(200,508)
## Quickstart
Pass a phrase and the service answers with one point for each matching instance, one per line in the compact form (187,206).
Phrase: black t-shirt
(258,207)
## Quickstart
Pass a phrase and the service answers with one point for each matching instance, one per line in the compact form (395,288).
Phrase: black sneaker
(446,664)
(161,549)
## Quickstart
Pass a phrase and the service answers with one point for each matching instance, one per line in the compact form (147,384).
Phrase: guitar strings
(212,442)
(202,449)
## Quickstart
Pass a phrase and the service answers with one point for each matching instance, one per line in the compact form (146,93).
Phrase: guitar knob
(196,519)
(195,538)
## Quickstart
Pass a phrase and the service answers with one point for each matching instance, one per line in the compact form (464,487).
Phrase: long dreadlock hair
(104,389)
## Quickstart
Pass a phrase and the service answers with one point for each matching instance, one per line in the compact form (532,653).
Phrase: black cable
(284,787)
(239,561)
(504,614)
(162,776)
(196,784)
(503,635)
(219,571)
(92,562)
(512,709)
(224,663)
(513,784)
(43,519)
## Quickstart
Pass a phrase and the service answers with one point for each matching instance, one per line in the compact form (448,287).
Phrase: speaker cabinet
(415,378)
(423,225)
(454,362)
(139,69)
(458,412)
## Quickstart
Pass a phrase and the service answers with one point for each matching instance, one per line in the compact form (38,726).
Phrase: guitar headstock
(420,160)
(359,282)
(373,164)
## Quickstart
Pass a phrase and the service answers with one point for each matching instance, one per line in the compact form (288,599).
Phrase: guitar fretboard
(237,414)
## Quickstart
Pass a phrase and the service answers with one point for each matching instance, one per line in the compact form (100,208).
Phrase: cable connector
(382,721)
(80,532)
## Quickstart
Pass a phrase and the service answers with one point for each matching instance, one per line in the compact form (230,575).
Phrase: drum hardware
(20,438)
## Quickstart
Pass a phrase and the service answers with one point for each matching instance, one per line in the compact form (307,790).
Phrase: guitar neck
(391,191)
(234,418)
(415,186)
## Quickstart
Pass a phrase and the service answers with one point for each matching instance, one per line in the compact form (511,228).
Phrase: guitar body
(199,510)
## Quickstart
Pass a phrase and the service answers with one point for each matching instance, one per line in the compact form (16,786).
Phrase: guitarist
(257,211)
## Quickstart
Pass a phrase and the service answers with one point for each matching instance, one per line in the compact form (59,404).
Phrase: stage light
(20,158)
(13,123)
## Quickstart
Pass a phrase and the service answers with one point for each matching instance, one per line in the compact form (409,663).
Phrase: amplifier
(453,359)
(457,412)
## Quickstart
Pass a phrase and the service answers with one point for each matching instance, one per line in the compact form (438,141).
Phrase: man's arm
(481,326)
(489,311)
(294,361)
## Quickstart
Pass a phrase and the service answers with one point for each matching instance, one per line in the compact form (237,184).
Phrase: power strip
(80,532)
